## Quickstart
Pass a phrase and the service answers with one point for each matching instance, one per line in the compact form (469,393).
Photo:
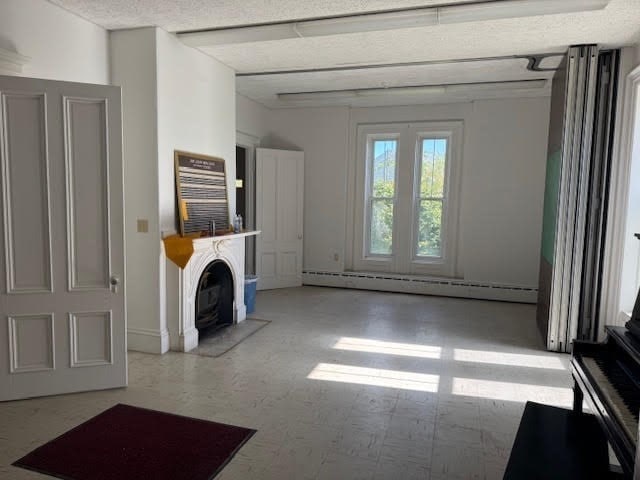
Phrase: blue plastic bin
(250,283)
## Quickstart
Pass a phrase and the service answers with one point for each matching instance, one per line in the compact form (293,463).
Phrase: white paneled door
(279,204)
(62,317)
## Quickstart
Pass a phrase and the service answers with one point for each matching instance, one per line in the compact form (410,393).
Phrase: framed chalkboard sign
(201,188)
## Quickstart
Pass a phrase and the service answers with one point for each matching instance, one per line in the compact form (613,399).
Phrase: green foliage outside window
(429,202)
(382,195)
(433,168)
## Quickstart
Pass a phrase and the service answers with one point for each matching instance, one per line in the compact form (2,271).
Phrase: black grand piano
(555,443)
(607,377)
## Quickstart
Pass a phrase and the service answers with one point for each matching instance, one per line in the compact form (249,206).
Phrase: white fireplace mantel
(228,248)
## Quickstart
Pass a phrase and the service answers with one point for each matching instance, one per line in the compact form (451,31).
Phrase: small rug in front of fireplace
(127,443)
(221,341)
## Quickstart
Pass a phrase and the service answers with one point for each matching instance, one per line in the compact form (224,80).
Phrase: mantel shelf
(228,236)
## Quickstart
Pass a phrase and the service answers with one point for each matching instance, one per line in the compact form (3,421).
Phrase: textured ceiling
(617,25)
(181,15)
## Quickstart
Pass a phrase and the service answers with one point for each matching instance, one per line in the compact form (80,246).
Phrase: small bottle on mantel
(237,223)
(212,228)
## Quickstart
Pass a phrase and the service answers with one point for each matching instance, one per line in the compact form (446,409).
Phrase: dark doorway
(214,298)
(241,181)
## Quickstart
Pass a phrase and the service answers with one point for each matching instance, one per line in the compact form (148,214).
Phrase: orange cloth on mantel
(179,249)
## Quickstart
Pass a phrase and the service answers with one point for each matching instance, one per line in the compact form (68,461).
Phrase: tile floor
(342,384)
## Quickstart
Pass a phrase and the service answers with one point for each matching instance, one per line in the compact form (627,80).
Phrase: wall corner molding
(148,340)
(245,139)
(11,63)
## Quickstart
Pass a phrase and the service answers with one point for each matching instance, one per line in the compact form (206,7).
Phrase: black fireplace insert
(214,297)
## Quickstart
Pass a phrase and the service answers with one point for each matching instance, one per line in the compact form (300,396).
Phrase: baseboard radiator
(421,285)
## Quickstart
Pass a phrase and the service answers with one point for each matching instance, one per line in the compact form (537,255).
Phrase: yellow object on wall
(179,249)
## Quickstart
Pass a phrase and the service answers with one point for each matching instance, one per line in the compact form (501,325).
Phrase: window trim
(403,258)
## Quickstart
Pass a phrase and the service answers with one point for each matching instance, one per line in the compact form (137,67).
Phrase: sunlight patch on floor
(512,392)
(510,359)
(375,377)
(389,348)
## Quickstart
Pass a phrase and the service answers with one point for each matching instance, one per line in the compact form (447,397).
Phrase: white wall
(133,67)
(61,46)
(502,180)
(174,98)
(323,135)
(503,190)
(252,118)
(196,113)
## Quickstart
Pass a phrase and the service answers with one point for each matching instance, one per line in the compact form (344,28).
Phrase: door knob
(114,282)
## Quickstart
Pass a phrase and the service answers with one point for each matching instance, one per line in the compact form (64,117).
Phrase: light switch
(143,225)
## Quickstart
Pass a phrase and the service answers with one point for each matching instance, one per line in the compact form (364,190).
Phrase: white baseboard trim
(422,285)
(240,313)
(187,341)
(147,340)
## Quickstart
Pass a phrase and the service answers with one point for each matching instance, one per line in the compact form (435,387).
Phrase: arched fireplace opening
(214,298)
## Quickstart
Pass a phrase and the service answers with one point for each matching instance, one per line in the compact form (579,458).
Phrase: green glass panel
(552,187)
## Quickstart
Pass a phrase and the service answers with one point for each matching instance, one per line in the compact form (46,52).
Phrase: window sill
(427,261)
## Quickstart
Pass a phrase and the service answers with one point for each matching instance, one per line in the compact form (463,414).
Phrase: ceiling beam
(439,89)
(532,59)
(387,20)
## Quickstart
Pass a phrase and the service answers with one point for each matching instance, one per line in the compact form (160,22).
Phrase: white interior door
(61,244)
(279,204)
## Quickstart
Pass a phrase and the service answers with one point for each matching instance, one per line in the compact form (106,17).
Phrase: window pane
(381,227)
(434,158)
(383,171)
(430,228)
